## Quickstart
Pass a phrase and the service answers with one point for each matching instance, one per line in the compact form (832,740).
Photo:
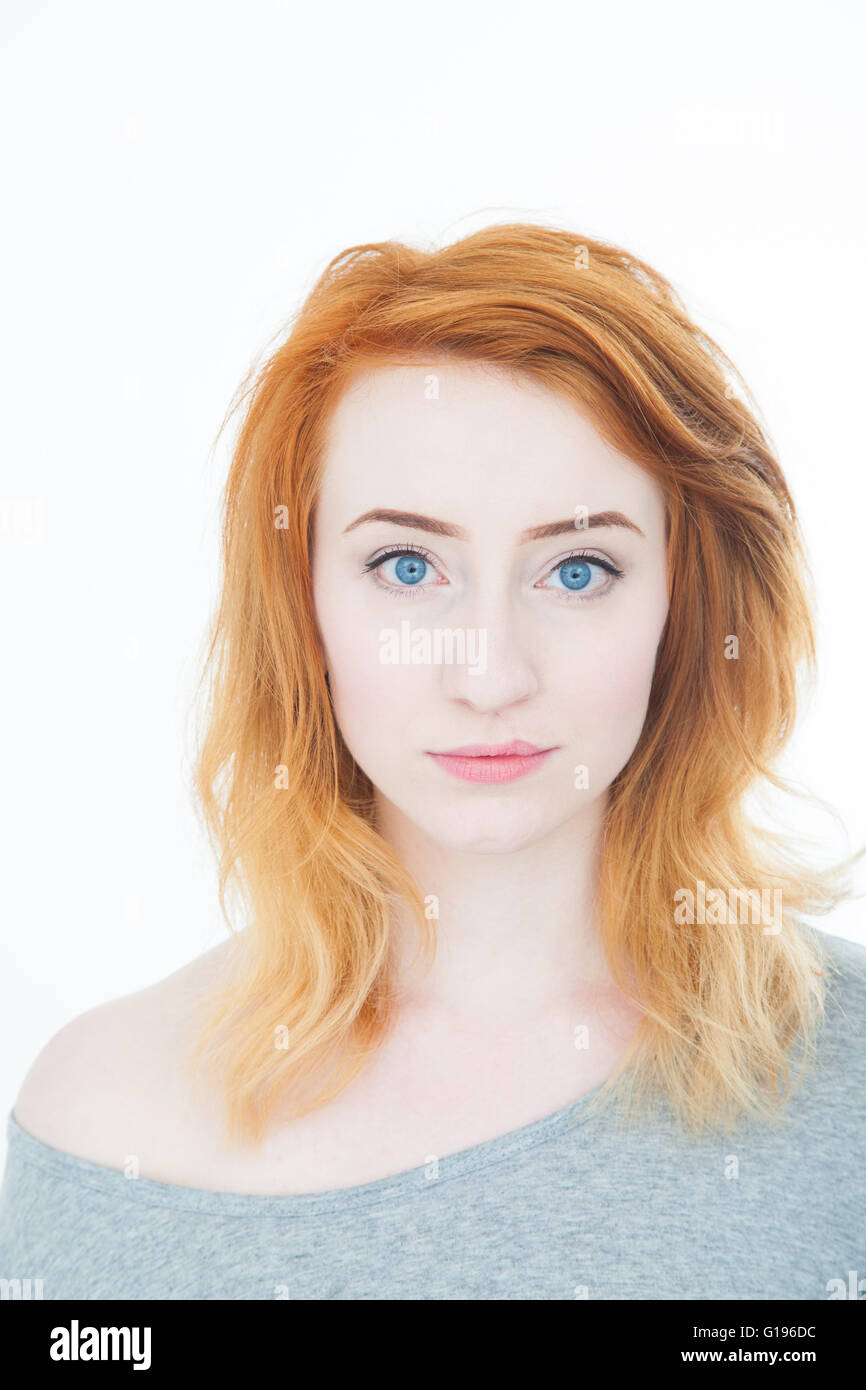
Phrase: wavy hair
(310,996)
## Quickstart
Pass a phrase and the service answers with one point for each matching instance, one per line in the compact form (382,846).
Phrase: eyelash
(401,591)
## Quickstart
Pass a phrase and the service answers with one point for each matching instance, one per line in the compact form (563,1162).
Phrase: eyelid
(389,551)
(582,554)
(393,552)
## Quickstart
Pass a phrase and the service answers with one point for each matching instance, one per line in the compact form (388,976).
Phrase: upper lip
(517,748)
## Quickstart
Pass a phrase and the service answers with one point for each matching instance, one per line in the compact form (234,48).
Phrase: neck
(515,931)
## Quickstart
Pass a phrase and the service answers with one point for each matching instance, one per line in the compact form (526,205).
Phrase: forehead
(462,433)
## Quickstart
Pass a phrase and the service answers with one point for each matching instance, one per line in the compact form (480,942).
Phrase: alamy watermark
(731,907)
(423,646)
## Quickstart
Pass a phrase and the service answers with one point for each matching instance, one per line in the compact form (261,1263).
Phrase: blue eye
(410,569)
(412,565)
(577,573)
(413,562)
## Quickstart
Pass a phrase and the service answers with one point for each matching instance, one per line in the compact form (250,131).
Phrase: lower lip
(489,770)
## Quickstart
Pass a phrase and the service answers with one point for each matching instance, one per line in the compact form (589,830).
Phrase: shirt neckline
(112,1182)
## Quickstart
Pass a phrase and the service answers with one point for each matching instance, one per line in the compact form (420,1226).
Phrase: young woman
(525,1006)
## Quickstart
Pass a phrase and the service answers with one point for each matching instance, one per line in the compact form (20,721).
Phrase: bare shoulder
(111,1079)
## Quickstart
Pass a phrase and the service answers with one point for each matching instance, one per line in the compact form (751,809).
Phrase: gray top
(566,1207)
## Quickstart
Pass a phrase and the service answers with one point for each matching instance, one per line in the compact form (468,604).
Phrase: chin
(482,831)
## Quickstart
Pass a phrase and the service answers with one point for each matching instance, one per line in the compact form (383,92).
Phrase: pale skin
(485,1042)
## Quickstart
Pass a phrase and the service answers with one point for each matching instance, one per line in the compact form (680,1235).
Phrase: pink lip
(490,762)
(516,748)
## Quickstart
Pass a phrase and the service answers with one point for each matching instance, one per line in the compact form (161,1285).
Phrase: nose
(499,670)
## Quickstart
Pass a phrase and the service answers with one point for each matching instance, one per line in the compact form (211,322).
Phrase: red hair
(311,995)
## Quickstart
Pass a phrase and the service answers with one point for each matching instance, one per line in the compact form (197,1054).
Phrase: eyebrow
(533,533)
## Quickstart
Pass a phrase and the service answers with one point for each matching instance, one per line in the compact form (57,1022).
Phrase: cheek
(349,641)
(371,698)
(611,677)
(374,703)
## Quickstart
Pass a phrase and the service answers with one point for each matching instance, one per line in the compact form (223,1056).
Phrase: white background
(175,177)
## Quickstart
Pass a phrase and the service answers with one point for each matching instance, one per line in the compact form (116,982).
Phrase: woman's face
(481,633)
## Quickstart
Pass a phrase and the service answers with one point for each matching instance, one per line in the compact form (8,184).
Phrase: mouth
(492,762)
